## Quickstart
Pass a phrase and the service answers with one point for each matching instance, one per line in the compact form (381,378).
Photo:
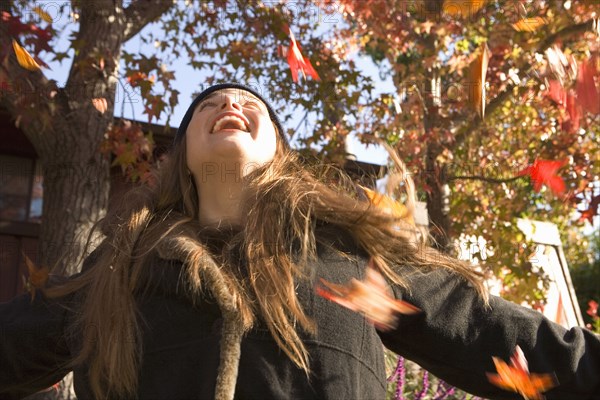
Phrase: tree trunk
(437,206)
(76,175)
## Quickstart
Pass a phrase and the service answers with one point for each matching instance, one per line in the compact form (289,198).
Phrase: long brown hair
(285,193)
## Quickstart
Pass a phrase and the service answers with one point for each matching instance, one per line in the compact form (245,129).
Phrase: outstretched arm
(33,351)
(456,336)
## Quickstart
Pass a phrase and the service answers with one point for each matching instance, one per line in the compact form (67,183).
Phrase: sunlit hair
(287,193)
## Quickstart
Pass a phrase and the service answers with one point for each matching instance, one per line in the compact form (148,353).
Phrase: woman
(205,288)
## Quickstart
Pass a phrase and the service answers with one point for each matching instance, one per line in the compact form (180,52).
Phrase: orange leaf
(371,298)
(37,276)
(24,58)
(100,104)
(516,377)
(477,76)
(529,24)
(462,8)
(388,204)
(43,14)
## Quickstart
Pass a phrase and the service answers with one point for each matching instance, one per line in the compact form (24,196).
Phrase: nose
(230,101)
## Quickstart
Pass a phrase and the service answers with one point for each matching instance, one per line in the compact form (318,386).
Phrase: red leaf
(516,377)
(543,172)
(587,92)
(591,211)
(371,298)
(574,110)
(297,62)
(593,309)
(557,93)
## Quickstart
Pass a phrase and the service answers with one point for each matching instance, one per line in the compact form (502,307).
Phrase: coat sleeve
(456,336)
(33,351)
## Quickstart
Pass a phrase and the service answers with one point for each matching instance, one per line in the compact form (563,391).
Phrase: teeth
(228,119)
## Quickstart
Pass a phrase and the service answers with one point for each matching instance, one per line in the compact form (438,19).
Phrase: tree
(487,93)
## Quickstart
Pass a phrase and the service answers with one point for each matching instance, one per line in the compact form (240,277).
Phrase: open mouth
(230,122)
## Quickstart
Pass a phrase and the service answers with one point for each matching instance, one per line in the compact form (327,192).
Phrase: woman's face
(230,127)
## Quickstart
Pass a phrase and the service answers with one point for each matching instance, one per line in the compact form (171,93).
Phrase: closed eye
(206,104)
(255,105)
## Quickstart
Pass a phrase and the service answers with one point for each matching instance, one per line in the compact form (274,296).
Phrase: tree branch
(482,178)
(502,96)
(141,12)
(23,91)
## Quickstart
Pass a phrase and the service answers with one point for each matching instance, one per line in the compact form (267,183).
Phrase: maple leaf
(37,276)
(591,211)
(543,172)
(371,298)
(516,377)
(298,62)
(25,59)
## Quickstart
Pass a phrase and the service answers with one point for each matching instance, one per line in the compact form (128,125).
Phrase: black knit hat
(190,111)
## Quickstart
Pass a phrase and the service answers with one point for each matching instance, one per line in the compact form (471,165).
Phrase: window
(21,189)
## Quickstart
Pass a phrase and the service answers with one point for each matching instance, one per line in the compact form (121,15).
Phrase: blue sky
(187,81)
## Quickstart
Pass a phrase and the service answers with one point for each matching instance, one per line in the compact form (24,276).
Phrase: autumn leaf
(574,111)
(43,14)
(588,94)
(100,104)
(25,59)
(298,62)
(592,310)
(477,76)
(462,8)
(371,298)
(557,93)
(388,204)
(591,211)
(516,377)
(37,276)
(529,24)
(543,172)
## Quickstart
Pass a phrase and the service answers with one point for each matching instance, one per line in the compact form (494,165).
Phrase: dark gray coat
(455,338)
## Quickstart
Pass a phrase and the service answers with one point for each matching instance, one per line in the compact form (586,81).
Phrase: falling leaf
(516,377)
(529,24)
(37,276)
(24,58)
(462,8)
(477,79)
(557,92)
(574,111)
(371,298)
(43,14)
(591,211)
(297,62)
(543,172)
(388,204)
(100,104)
(588,94)
(592,310)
